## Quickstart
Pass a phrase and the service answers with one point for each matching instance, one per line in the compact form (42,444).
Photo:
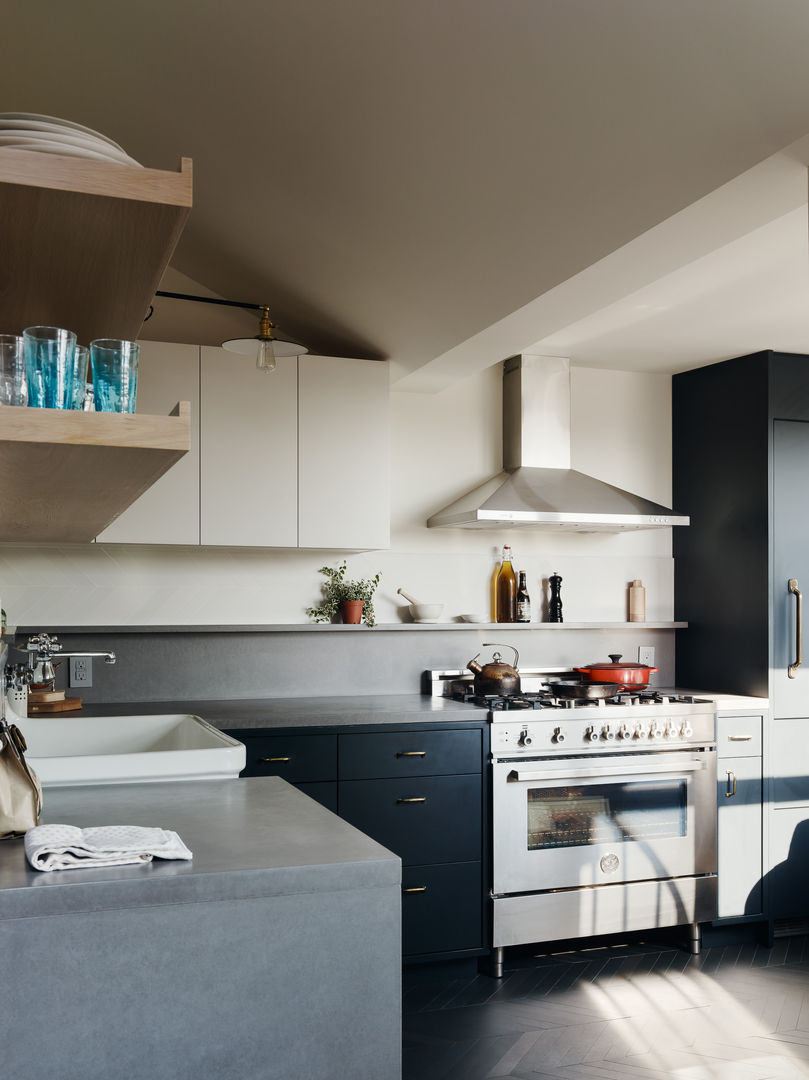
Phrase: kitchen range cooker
(603,808)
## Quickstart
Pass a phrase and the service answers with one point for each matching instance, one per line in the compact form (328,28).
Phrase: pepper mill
(555,605)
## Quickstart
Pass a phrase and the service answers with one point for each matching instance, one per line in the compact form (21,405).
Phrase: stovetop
(544,699)
(629,721)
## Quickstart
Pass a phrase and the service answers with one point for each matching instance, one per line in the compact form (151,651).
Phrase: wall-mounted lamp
(265,346)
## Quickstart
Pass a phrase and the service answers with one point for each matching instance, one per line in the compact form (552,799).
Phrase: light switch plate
(646,655)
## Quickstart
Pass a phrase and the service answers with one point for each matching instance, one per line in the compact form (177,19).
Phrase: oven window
(606,813)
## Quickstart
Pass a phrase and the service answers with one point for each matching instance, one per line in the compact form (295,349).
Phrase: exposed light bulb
(265,357)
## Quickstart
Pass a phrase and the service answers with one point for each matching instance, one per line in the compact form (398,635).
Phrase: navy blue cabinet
(419,790)
(740,467)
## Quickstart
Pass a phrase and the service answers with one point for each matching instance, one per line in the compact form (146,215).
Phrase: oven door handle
(547,777)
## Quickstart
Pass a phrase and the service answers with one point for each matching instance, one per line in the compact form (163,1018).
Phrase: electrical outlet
(646,655)
(81,670)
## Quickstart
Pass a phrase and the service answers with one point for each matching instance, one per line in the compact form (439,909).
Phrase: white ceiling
(443,184)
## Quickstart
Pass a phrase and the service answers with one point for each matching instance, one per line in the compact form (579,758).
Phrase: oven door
(599,819)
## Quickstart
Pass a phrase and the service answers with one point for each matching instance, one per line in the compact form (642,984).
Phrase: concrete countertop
(301,712)
(357,711)
(251,838)
(734,704)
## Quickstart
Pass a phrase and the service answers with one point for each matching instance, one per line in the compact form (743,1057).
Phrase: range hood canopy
(537,488)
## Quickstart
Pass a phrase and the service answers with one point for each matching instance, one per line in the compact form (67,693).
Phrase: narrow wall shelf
(326,628)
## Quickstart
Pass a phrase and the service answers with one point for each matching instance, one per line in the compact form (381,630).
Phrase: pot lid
(615,665)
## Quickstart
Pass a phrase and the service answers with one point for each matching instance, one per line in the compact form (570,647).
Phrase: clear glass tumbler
(49,355)
(115,374)
(13,385)
(81,359)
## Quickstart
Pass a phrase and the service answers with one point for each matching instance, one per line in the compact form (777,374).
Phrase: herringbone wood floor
(643,1011)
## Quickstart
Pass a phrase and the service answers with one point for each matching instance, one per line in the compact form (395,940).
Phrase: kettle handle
(493,644)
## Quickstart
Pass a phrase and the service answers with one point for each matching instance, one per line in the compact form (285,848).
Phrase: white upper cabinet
(298,457)
(168,513)
(343,453)
(249,466)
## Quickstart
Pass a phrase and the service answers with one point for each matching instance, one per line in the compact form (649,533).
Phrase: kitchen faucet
(42,648)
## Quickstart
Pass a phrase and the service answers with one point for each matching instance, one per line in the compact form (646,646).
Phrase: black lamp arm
(209,300)
(202,300)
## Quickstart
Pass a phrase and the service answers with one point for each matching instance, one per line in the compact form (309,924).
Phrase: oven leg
(695,939)
(496,963)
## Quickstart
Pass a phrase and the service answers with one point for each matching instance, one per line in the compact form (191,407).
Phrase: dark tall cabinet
(741,470)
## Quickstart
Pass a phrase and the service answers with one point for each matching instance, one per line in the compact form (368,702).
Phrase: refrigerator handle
(792,670)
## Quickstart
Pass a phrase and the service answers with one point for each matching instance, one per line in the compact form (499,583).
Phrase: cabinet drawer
(423,820)
(298,758)
(738,736)
(410,753)
(442,908)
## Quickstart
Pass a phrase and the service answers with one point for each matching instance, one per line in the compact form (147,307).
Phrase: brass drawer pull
(739,738)
(421,798)
(416,888)
(792,670)
(263,760)
(731,778)
(412,753)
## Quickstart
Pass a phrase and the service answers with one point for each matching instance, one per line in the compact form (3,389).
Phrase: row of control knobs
(593,734)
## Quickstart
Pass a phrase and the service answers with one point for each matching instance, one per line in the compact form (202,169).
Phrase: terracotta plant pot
(351,611)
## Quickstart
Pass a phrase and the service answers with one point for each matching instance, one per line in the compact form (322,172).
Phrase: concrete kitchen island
(275,953)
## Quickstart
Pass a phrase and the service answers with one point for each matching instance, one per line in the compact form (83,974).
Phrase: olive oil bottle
(506,589)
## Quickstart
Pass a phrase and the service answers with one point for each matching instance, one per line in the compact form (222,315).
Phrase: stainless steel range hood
(537,488)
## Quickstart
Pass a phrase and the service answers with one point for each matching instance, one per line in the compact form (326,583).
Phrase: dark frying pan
(570,688)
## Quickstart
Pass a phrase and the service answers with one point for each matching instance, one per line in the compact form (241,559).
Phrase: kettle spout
(474,666)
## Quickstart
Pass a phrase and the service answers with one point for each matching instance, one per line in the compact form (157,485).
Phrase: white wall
(441,446)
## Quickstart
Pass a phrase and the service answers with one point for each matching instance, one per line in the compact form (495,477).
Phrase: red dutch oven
(635,676)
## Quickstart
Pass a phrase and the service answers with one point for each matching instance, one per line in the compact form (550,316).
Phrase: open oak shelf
(65,475)
(85,243)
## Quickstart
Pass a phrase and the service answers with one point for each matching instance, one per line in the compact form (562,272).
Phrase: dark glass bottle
(506,589)
(523,600)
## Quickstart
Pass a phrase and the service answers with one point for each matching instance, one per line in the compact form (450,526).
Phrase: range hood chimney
(538,488)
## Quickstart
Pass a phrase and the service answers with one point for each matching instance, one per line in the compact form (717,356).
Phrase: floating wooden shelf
(85,243)
(67,475)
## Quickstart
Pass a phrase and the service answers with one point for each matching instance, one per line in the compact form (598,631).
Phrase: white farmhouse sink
(79,750)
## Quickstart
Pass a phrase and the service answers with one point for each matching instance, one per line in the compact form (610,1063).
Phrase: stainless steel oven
(584,820)
(603,812)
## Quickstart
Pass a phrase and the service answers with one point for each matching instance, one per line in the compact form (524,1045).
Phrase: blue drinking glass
(115,374)
(49,354)
(81,358)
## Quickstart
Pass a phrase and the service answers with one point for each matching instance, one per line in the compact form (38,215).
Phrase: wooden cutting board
(65,704)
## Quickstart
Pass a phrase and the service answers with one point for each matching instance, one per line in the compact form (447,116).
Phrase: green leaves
(336,589)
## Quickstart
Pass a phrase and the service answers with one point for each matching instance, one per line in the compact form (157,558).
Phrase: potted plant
(353,600)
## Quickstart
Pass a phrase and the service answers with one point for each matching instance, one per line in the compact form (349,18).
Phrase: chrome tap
(42,648)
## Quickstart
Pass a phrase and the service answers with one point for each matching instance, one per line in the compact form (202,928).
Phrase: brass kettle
(496,677)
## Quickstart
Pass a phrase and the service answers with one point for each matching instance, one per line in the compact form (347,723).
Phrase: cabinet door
(739,837)
(168,513)
(343,453)
(248,452)
(790,696)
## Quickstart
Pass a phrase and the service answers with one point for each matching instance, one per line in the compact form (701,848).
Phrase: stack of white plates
(49,135)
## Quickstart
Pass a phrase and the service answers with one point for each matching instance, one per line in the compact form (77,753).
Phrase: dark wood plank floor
(647,1010)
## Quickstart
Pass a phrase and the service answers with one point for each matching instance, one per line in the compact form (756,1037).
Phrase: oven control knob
(525,739)
(624,732)
(686,731)
(671,732)
(656,732)
(607,732)
(558,735)
(640,731)
(591,734)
